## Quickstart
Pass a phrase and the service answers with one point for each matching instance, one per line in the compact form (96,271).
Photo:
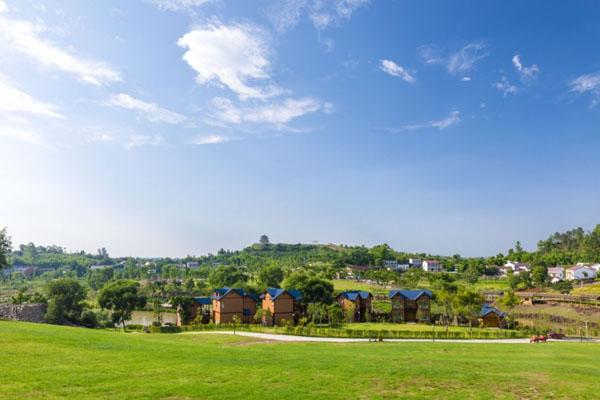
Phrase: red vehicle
(538,339)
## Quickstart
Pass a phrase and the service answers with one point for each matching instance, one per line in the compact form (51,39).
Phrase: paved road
(292,338)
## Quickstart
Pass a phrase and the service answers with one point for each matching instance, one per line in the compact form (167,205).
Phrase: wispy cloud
(589,83)
(179,5)
(13,100)
(506,87)
(148,110)
(459,62)
(144,140)
(394,69)
(275,114)
(323,14)
(231,56)
(452,119)
(3,7)
(527,74)
(209,139)
(23,37)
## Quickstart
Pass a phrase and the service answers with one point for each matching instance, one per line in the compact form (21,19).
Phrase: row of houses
(281,304)
(580,271)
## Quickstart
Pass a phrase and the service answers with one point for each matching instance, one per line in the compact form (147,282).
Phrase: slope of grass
(49,362)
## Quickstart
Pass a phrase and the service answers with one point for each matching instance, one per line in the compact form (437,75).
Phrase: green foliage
(183,304)
(5,247)
(65,300)
(565,287)
(121,297)
(271,276)
(230,276)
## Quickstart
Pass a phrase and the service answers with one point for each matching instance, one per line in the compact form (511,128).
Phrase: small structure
(201,306)
(517,267)
(556,274)
(411,305)
(580,272)
(282,305)
(360,300)
(229,302)
(431,266)
(415,262)
(491,317)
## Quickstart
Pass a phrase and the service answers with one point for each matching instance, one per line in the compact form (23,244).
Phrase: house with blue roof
(411,305)
(491,317)
(229,302)
(280,305)
(357,300)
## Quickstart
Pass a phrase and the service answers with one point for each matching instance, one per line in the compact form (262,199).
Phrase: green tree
(227,276)
(5,247)
(469,303)
(183,304)
(335,315)
(508,302)
(271,276)
(539,276)
(65,300)
(121,298)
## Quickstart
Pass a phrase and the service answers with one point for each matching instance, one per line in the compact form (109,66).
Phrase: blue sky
(174,127)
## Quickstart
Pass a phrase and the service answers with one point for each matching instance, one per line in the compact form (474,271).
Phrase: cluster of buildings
(279,305)
(580,271)
(428,265)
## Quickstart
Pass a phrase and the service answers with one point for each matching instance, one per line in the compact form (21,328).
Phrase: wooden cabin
(282,305)
(491,317)
(201,309)
(229,302)
(360,300)
(411,305)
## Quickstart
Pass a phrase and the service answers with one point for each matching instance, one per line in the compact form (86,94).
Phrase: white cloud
(394,69)
(23,37)
(452,119)
(462,61)
(3,7)
(24,134)
(232,56)
(151,111)
(13,100)
(144,140)
(326,13)
(209,139)
(506,87)
(466,79)
(589,83)
(179,5)
(285,14)
(527,74)
(276,114)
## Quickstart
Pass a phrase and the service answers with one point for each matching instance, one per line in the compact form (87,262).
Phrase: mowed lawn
(43,361)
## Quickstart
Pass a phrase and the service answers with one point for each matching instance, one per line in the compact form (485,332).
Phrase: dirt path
(292,338)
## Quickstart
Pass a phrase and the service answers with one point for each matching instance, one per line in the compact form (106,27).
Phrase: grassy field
(411,327)
(568,318)
(593,289)
(49,362)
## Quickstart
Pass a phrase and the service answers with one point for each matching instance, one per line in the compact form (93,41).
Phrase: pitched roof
(410,294)
(222,292)
(352,295)
(276,292)
(204,301)
(487,309)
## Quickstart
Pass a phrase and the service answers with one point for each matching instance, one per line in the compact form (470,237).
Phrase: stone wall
(23,312)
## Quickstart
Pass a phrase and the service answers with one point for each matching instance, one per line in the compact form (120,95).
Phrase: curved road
(292,338)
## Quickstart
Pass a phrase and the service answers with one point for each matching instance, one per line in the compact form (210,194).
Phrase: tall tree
(121,297)
(5,247)
(65,300)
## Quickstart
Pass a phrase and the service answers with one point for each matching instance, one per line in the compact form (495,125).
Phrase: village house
(516,267)
(411,305)
(596,267)
(230,302)
(556,274)
(283,305)
(431,266)
(580,272)
(491,317)
(360,300)
(415,262)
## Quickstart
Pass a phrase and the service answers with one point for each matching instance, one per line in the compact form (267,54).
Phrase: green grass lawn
(50,362)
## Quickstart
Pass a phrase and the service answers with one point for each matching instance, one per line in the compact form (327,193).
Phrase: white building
(415,262)
(580,272)
(556,274)
(517,267)
(431,266)
(192,265)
